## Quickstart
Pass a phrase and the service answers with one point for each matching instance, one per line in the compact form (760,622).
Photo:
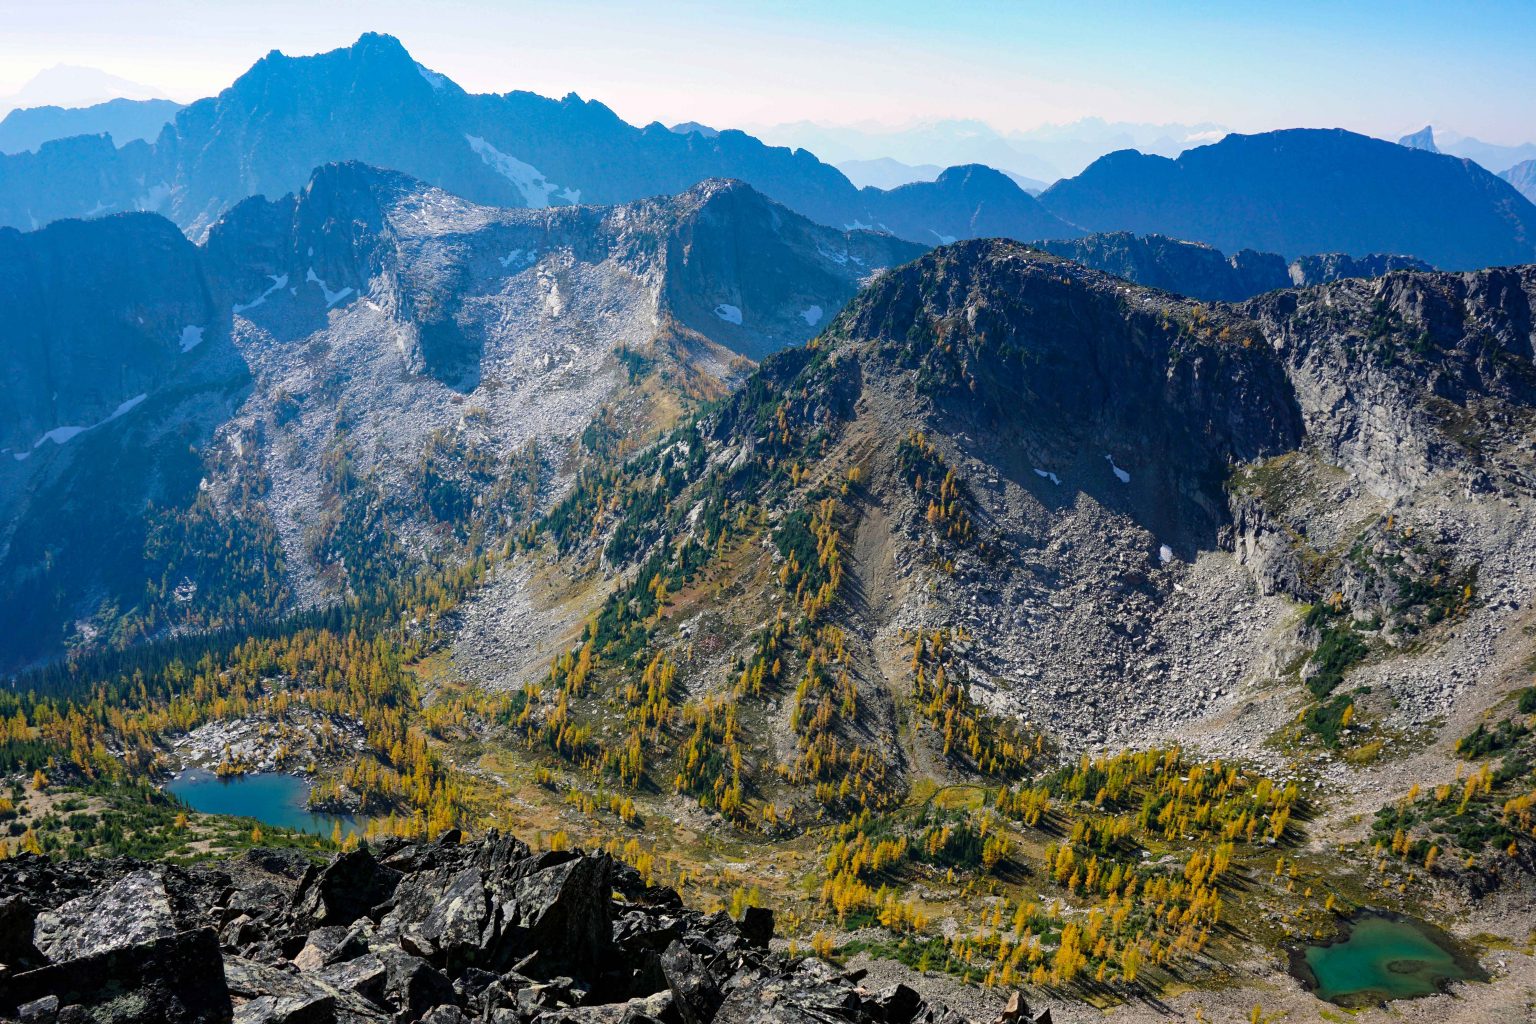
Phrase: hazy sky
(1380,68)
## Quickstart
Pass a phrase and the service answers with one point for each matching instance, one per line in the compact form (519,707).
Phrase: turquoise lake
(272,798)
(1383,957)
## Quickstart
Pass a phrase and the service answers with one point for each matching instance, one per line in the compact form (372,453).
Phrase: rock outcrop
(446,931)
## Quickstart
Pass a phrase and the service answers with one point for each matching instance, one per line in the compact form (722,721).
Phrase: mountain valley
(884,606)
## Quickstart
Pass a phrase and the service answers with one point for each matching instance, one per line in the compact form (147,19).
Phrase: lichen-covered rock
(129,912)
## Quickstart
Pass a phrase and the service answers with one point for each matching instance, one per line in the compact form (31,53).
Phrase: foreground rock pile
(443,932)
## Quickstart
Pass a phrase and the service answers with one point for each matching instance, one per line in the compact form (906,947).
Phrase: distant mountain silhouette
(124,120)
(1423,139)
(1523,177)
(1306,191)
(372,102)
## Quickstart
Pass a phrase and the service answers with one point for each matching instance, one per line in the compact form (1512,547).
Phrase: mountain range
(1279,192)
(372,102)
(140,364)
(1284,192)
(1128,605)
(1045,153)
(124,120)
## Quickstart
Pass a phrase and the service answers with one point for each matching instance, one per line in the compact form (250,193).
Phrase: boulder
(898,1004)
(347,888)
(441,915)
(559,906)
(411,985)
(811,991)
(129,912)
(757,926)
(17,916)
(694,991)
(173,979)
(318,945)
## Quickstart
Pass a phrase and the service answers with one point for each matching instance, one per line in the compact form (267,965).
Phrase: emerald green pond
(272,798)
(1382,957)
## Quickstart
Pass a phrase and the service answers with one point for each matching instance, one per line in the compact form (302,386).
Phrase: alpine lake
(1382,956)
(271,798)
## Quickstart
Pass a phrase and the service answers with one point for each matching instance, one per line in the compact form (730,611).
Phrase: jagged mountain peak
(1423,139)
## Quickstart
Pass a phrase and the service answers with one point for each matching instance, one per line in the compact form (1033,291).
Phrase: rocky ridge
(368,321)
(447,931)
(1160,485)
(1202,272)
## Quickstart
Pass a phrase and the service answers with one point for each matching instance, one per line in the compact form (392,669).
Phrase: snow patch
(530,181)
(729,313)
(811,315)
(125,407)
(1124,477)
(331,298)
(63,435)
(1165,554)
(155,198)
(191,337)
(571,195)
(517,255)
(840,258)
(279,281)
(1046,474)
(434,79)
(858,225)
(943,239)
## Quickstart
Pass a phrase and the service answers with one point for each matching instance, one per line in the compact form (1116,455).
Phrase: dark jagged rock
(175,979)
(349,887)
(445,931)
(757,926)
(17,915)
(694,991)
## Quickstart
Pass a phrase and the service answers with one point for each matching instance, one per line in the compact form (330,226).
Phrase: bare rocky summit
(446,932)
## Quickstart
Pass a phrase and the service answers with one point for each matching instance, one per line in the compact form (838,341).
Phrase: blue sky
(1380,68)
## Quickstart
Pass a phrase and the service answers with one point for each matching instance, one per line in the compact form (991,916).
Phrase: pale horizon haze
(1377,68)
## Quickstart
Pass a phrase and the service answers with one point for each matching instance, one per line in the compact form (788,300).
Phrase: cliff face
(96,313)
(1202,272)
(1408,374)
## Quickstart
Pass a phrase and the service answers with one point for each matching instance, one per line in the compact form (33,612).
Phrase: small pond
(1381,956)
(270,797)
